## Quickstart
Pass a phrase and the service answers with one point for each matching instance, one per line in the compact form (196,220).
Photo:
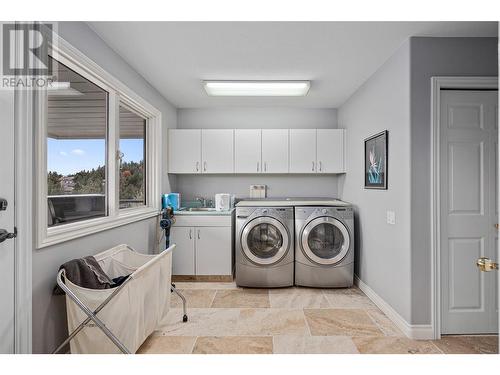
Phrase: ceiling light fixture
(257,88)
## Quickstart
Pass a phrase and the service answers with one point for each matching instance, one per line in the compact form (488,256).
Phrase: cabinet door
(184,151)
(302,150)
(247,150)
(217,150)
(275,150)
(330,154)
(213,251)
(184,253)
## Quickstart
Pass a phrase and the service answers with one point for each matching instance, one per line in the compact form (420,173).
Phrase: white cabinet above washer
(247,150)
(275,150)
(330,151)
(302,150)
(317,151)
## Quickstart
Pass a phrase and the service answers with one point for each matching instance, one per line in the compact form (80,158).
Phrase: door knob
(486,264)
(4,235)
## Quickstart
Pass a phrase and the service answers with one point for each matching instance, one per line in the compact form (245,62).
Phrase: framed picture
(376,161)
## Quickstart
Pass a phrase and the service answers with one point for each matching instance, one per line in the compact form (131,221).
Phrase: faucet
(205,202)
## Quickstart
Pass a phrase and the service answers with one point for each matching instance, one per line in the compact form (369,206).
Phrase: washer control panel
(282,212)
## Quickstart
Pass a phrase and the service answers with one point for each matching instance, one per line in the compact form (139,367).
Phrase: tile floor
(226,319)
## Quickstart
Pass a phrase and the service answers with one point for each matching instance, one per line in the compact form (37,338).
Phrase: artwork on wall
(376,161)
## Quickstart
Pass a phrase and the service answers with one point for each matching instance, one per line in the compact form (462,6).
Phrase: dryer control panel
(306,212)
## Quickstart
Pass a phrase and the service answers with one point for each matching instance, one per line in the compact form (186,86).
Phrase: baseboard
(412,331)
(203,278)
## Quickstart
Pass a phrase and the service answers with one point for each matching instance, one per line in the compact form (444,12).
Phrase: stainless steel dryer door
(265,241)
(325,240)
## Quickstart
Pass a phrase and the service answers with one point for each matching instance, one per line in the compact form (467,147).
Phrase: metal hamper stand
(92,315)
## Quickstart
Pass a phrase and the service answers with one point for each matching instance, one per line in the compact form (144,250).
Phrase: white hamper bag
(136,310)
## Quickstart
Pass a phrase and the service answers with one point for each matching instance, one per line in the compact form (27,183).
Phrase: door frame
(23,205)
(438,83)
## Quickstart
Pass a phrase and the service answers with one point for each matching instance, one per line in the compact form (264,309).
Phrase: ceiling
(336,56)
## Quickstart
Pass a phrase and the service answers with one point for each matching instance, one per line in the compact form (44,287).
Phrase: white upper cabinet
(228,151)
(275,150)
(217,150)
(247,151)
(302,150)
(184,151)
(330,151)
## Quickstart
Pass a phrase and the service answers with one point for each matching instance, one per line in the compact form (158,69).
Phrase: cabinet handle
(198,234)
(312,167)
(320,167)
(190,234)
(257,166)
(197,166)
(204,166)
(265,166)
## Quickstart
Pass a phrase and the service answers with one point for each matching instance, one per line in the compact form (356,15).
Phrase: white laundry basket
(134,312)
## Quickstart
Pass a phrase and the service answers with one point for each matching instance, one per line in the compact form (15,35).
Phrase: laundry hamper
(130,312)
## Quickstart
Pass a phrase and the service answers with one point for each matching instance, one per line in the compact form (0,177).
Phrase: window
(77,114)
(132,161)
(98,151)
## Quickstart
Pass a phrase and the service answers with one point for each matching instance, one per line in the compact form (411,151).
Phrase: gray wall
(382,250)
(397,98)
(267,118)
(434,57)
(49,316)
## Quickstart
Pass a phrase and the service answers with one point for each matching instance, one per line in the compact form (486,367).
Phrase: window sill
(68,232)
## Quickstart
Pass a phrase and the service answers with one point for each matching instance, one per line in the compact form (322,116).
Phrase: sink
(199,209)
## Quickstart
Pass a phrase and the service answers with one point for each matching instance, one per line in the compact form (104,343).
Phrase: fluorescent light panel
(257,88)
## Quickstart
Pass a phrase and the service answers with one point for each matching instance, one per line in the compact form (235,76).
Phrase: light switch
(391,217)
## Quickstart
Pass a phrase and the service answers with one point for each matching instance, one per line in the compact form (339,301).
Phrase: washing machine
(324,246)
(264,246)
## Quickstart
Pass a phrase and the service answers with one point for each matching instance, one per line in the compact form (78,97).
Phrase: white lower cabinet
(183,258)
(202,250)
(213,251)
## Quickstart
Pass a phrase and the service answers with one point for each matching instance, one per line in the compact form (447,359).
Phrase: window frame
(123,103)
(118,93)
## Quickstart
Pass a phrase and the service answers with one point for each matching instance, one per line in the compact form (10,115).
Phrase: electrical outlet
(391,217)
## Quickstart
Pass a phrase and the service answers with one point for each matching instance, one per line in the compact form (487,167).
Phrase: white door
(184,151)
(330,151)
(183,257)
(468,144)
(247,150)
(217,150)
(7,221)
(275,150)
(302,150)
(213,251)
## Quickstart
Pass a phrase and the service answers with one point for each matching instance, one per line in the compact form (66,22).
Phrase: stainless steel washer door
(325,240)
(265,240)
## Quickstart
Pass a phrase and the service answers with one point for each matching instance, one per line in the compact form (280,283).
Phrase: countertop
(203,213)
(290,202)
